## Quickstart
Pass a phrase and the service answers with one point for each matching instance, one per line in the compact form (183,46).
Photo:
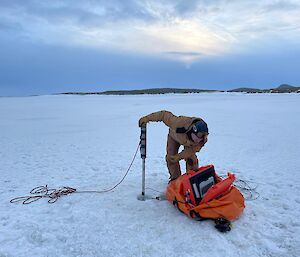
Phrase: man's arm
(189,151)
(165,116)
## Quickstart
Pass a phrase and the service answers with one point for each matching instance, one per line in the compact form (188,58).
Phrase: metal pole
(143,156)
(143,177)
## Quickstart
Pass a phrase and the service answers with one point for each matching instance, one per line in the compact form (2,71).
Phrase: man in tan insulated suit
(191,132)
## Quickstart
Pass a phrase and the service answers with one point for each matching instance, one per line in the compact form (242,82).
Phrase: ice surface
(87,142)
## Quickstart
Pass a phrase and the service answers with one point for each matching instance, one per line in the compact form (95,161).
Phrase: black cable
(44,192)
(249,192)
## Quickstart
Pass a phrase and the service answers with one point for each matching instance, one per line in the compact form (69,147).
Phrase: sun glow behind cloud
(180,39)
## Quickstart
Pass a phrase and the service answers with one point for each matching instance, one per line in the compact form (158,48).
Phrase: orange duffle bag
(202,194)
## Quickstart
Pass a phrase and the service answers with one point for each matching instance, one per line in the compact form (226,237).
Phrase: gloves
(173,158)
(142,121)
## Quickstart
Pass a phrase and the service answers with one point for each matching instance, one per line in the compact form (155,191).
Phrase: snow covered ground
(87,142)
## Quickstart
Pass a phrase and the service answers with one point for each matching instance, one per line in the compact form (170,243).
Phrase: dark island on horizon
(284,88)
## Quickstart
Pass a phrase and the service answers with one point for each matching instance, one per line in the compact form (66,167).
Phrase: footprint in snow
(95,168)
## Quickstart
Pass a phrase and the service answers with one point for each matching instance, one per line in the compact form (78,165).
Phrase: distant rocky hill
(284,88)
(248,90)
(150,91)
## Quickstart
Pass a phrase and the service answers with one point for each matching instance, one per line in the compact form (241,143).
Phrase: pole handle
(143,141)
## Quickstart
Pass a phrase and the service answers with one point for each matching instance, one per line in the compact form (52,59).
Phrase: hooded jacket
(178,126)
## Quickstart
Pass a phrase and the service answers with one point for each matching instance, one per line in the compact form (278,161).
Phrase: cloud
(281,6)
(186,7)
(8,26)
(212,28)
(184,53)
(187,57)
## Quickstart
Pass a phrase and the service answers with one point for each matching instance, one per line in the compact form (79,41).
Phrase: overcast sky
(57,46)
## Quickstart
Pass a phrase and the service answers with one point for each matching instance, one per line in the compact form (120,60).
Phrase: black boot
(223,225)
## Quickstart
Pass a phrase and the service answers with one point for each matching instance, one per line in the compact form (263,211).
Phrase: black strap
(181,130)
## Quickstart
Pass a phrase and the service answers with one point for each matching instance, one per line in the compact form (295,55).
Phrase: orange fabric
(218,188)
(229,206)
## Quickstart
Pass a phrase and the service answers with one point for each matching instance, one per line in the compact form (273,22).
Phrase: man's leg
(172,149)
(192,163)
